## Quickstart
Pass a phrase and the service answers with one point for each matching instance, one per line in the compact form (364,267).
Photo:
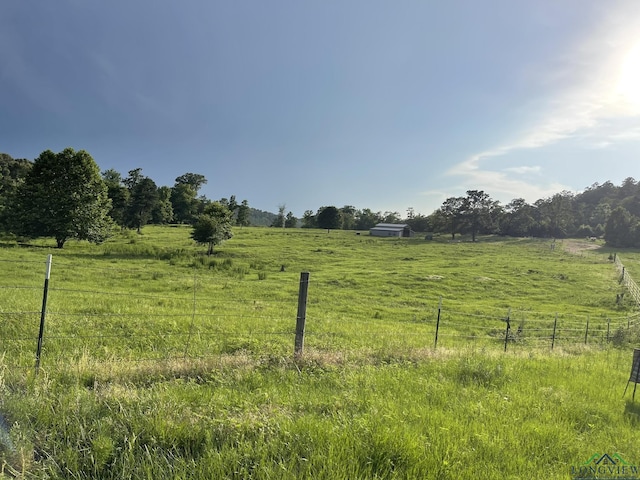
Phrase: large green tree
(309,219)
(556,215)
(162,212)
(419,223)
(194,180)
(184,201)
(143,199)
(451,215)
(119,195)
(391,217)
(348,213)
(63,196)
(479,212)
(622,229)
(213,226)
(184,197)
(290,221)
(242,217)
(517,218)
(232,204)
(367,219)
(600,214)
(329,218)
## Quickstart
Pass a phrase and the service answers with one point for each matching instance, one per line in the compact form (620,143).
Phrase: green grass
(463,414)
(161,362)
(157,296)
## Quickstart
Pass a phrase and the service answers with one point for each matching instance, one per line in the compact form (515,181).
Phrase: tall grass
(463,414)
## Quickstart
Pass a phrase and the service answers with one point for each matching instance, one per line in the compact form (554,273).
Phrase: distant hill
(260,218)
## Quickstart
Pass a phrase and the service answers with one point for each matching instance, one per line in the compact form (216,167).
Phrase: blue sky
(376,104)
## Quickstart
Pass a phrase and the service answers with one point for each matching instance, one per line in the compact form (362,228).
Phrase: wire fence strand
(184,324)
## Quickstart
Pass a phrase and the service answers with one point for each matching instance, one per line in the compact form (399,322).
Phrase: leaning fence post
(302,313)
(506,332)
(43,312)
(553,337)
(438,323)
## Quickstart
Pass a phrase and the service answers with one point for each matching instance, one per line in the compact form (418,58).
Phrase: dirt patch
(576,247)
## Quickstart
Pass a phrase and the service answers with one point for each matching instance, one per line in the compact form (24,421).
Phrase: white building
(391,230)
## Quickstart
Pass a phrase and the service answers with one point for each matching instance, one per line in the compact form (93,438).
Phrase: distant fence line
(210,334)
(627,280)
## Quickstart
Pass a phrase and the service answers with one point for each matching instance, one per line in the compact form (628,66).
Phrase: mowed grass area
(160,362)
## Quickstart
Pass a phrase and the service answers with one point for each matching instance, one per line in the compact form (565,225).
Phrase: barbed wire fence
(171,319)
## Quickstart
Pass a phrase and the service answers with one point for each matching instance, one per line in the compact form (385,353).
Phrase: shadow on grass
(24,245)
(632,411)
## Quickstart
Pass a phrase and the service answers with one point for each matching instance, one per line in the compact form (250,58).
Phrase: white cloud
(524,170)
(631,134)
(505,188)
(590,109)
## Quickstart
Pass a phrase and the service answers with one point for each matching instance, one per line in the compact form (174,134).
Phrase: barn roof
(391,226)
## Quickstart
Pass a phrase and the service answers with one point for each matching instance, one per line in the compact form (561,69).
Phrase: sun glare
(629,81)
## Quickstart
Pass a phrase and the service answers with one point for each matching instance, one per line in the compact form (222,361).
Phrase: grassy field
(161,362)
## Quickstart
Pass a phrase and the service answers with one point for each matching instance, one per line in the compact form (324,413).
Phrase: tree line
(606,210)
(601,210)
(65,196)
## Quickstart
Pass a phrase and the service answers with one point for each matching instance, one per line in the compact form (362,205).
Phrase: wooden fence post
(608,328)
(43,313)
(302,313)
(553,337)
(438,323)
(586,332)
(506,332)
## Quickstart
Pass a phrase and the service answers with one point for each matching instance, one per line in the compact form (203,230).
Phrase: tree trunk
(210,251)
(60,242)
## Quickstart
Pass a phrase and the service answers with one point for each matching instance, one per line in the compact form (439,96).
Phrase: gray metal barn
(391,230)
